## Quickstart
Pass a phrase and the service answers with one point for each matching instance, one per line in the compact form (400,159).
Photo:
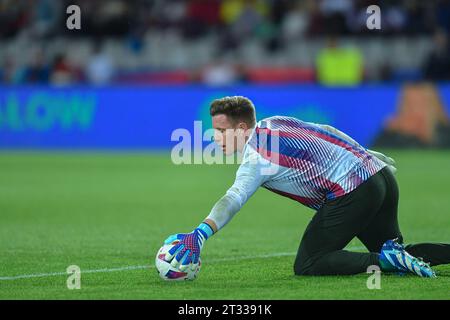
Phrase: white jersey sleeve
(252,173)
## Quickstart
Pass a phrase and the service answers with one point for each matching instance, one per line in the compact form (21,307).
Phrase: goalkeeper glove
(188,246)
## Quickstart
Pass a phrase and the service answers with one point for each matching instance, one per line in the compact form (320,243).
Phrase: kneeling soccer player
(353,190)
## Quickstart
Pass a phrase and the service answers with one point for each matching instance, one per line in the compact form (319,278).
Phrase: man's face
(230,138)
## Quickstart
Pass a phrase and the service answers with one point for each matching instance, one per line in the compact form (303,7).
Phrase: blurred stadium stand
(221,42)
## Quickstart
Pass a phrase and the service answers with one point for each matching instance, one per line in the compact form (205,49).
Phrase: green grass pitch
(109,213)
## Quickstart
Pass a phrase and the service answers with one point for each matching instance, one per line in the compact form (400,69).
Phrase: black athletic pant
(369,213)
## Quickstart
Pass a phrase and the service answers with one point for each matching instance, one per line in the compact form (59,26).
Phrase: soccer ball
(167,272)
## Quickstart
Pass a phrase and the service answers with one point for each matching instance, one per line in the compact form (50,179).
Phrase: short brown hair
(236,108)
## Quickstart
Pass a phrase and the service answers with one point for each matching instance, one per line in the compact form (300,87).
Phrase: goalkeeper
(352,189)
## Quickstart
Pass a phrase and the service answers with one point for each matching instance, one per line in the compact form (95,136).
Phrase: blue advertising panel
(145,117)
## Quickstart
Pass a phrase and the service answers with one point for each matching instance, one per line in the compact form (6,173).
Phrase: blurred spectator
(316,19)
(14,17)
(249,19)
(100,68)
(442,15)
(295,24)
(165,14)
(219,73)
(416,16)
(46,15)
(339,66)
(268,33)
(112,18)
(437,65)
(242,20)
(37,71)
(7,70)
(395,19)
(279,9)
(230,10)
(201,16)
(62,72)
(335,15)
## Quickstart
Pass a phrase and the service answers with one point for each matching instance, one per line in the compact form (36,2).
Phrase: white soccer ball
(167,272)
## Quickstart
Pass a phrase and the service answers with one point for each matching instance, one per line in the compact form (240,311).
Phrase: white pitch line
(53,274)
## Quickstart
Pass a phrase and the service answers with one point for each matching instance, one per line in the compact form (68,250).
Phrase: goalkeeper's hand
(187,248)
(388,160)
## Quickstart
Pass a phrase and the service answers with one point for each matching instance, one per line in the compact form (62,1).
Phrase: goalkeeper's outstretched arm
(249,177)
(251,174)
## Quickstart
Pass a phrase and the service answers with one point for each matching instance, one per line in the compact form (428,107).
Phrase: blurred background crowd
(222,42)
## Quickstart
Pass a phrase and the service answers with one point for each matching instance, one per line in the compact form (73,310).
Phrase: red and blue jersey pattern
(314,164)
